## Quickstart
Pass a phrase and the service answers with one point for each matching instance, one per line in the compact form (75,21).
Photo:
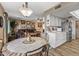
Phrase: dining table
(21,47)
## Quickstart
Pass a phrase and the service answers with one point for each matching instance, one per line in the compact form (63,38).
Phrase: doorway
(77,29)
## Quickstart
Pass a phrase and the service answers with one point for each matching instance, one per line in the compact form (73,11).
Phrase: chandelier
(25,11)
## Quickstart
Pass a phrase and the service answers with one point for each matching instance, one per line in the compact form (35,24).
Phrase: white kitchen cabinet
(47,20)
(56,39)
(53,21)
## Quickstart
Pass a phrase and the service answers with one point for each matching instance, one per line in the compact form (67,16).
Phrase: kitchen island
(56,38)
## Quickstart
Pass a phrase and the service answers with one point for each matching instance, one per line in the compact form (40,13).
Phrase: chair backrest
(2,44)
(39,51)
(1,53)
(36,51)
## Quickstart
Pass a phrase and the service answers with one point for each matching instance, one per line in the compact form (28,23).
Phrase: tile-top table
(17,46)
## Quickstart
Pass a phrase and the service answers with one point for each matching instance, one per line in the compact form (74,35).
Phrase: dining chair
(2,44)
(39,51)
(1,53)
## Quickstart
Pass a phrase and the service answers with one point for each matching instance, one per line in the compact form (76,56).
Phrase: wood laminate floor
(67,49)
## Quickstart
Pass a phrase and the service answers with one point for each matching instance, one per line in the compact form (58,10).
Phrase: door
(77,29)
(1,32)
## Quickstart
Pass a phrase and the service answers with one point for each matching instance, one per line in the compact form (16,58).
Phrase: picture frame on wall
(22,22)
(39,24)
(1,21)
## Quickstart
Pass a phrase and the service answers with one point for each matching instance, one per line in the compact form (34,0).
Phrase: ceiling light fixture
(25,10)
(75,13)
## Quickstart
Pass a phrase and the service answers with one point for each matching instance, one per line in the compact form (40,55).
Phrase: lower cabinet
(56,39)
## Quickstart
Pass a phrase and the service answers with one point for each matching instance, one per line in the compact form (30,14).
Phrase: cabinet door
(52,21)
(59,22)
(48,20)
(55,21)
(52,38)
(60,38)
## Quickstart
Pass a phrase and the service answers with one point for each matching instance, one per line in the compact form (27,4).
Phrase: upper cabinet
(53,21)
(47,20)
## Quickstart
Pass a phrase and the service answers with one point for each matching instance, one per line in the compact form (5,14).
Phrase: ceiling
(65,11)
(12,8)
